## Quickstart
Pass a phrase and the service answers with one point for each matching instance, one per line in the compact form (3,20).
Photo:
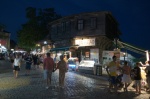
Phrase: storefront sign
(85,42)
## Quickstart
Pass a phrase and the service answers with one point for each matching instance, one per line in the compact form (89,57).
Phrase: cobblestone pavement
(77,86)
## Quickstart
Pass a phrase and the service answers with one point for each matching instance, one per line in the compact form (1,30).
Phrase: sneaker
(46,87)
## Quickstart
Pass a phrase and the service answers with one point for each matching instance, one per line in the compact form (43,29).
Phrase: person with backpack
(137,78)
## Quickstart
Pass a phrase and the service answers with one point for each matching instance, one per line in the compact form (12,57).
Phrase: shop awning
(60,49)
(131,48)
(74,47)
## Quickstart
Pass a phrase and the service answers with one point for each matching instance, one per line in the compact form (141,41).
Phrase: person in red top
(48,68)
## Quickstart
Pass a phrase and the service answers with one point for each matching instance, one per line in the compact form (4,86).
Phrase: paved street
(77,86)
(5,66)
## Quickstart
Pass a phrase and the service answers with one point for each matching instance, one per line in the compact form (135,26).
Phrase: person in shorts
(147,70)
(16,66)
(111,69)
(137,78)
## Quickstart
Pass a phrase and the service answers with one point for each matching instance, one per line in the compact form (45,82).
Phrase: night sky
(133,16)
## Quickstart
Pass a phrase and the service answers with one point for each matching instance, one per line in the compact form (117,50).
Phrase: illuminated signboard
(85,42)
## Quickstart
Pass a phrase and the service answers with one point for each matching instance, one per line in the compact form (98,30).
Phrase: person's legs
(113,83)
(136,86)
(47,80)
(139,84)
(110,86)
(49,75)
(16,74)
(125,88)
(14,71)
(148,82)
(63,78)
(28,68)
(60,78)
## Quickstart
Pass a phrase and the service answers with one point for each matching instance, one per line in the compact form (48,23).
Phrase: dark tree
(35,28)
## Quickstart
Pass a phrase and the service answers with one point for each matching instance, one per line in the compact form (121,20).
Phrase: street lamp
(124,54)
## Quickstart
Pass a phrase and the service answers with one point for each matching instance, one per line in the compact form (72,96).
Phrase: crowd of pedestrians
(128,75)
(33,61)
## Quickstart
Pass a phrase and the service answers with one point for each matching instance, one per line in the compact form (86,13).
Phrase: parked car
(72,63)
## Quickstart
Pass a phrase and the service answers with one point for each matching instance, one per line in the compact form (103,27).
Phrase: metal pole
(124,57)
(116,42)
(124,54)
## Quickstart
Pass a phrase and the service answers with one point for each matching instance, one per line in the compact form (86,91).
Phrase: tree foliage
(2,26)
(35,28)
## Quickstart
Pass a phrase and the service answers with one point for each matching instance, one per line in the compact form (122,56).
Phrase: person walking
(111,70)
(126,79)
(16,66)
(35,61)
(28,60)
(48,65)
(137,78)
(147,70)
(56,60)
(62,66)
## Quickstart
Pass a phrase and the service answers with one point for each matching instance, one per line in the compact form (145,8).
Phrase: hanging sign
(85,42)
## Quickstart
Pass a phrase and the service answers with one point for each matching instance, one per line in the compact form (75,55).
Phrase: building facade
(85,35)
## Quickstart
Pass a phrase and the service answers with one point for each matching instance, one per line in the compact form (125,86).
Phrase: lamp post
(124,54)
